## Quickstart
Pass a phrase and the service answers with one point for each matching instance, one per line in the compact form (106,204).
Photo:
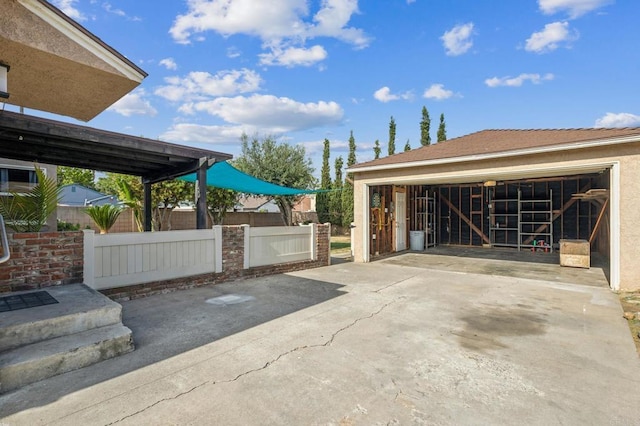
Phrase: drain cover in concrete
(26,300)
(230,299)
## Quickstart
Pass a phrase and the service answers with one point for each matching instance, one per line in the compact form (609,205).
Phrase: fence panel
(116,260)
(279,244)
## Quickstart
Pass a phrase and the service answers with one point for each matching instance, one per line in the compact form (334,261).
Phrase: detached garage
(542,190)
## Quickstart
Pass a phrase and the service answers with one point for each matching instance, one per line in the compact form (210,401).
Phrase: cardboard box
(575,253)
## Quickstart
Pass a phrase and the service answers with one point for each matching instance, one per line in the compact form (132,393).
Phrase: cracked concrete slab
(378,343)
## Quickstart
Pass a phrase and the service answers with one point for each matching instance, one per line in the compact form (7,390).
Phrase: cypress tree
(392,136)
(335,198)
(376,149)
(347,187)
(442,131)
(407,146)
(425,128)
(322,199)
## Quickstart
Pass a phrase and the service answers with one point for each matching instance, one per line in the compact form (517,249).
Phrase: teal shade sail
(224,175)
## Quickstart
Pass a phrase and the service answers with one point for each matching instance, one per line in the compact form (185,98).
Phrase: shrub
(104,216)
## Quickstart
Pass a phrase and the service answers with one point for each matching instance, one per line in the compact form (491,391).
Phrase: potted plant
(104,216)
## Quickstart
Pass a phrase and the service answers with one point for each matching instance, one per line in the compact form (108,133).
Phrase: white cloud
(69,9)
(200,85)
(269,113)
(437,92)
(293,56)
(574,8)
(133,103)
(517,81)
(457,40)
(169,63)
(198,133)
(316,147)
(384,95)
(233,52)
(280,24)
(549,38)
(621,119)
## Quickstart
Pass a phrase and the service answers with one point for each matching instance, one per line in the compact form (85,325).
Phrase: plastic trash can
(416,240)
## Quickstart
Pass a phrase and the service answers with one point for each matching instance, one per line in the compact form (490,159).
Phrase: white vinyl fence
(279,244)
(123,259)
(117,260)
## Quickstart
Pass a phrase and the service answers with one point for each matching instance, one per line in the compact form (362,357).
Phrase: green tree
(442,131)
(219,202)
(69,175)
(28,212)
(376,149)
(130,193)
(407,146)
(425,128)
(278,163)
(392,136)
(335,196)
(165,197)
(322,198)
(347,187)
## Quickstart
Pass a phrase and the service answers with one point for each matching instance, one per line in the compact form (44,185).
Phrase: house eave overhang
(497,155)
(58,66)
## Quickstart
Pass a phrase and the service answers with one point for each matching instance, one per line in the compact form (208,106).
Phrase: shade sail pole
(147,206)
(201,195)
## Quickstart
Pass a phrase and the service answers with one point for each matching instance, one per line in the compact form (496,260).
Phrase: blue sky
(304,71)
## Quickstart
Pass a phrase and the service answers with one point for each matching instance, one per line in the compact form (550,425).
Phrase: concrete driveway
(358,344)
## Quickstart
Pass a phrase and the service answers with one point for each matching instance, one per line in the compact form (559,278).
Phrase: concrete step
(80,308)
(37,361)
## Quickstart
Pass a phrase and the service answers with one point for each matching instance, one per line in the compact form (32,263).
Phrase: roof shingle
(498,141)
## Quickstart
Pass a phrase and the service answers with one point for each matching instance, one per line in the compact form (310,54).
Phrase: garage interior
(532,214)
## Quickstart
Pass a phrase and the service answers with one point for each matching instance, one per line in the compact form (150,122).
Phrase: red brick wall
(42,259)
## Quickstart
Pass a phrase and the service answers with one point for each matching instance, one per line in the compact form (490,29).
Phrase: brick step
(37,361)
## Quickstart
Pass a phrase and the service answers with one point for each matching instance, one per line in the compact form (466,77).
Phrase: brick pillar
(232,250)
(323,244)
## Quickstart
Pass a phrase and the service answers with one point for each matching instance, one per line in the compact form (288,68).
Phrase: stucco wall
(624,204)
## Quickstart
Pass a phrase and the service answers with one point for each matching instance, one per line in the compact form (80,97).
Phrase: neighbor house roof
(58,66)
(76,195)
(493,143)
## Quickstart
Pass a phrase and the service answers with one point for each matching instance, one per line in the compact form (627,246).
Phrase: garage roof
(24,137)
(487,143)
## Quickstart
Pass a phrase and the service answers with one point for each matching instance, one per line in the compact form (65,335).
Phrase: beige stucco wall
(624,203)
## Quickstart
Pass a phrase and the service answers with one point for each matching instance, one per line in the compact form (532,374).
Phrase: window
(17,180)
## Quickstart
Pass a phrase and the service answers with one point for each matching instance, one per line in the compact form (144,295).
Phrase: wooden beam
(598,221)
(466,220)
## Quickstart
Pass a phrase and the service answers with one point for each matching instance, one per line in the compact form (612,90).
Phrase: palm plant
(129,199)
(28,212)
(104,216)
